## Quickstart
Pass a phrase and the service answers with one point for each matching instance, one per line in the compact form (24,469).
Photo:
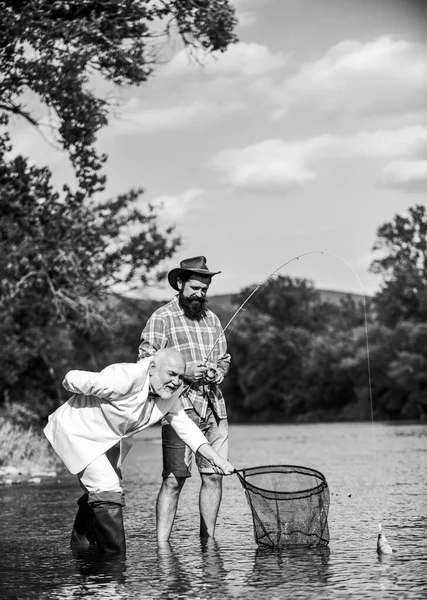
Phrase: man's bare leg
(166,506)
(209,502)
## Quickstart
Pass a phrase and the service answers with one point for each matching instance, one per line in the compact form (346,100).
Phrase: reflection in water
(93,575)
(173,578)
(214,573)
(273,567)
(179,579)
(100,569)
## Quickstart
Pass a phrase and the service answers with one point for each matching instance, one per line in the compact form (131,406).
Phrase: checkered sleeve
(153,336)
(224,358)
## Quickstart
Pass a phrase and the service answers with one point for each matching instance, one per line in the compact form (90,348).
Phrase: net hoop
(244,474)
(289,505)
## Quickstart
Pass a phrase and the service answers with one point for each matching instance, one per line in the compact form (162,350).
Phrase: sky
(305,136)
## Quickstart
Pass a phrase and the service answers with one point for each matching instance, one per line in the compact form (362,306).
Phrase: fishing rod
(258,290)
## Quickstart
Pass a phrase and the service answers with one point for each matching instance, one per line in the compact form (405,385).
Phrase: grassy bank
(24,451)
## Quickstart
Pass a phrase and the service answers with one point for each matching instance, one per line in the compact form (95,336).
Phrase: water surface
(375,474)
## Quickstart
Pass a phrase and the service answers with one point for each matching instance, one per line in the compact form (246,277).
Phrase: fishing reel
(210,375)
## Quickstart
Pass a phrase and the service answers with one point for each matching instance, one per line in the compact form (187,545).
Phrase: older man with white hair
(92,433)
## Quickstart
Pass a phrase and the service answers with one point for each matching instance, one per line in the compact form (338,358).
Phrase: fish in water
(383,547)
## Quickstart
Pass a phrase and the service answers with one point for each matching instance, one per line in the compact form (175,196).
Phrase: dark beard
(194,308)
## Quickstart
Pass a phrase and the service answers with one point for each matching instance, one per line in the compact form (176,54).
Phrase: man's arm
(112,383)
(153,337)
(222,369)
(194,438)
(224,360)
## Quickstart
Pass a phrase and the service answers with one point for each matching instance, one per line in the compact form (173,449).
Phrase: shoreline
(14,476)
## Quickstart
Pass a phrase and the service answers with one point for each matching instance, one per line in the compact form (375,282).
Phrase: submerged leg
(177,459)
(166,506)
(101,481)
(108,527)
(209,502)
(83,534)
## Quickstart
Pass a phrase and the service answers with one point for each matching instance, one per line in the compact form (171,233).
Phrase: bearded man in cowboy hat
(186,324)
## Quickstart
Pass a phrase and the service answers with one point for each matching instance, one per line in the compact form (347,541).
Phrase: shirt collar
(177,306)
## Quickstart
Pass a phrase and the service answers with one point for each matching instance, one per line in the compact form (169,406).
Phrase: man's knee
(213,480)
(172,485)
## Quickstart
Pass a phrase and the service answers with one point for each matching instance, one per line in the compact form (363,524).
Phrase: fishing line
(233,321)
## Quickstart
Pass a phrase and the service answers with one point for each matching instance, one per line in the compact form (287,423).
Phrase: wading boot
(83,534)
(108,526)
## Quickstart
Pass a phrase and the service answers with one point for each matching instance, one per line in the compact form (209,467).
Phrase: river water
(375,474)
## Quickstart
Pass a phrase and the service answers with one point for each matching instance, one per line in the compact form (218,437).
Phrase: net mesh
(289,505)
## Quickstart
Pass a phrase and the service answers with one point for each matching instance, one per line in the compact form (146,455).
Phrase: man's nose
(199,293)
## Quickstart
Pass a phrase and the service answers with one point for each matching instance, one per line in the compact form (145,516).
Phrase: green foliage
(288,350)
(59,256)
(62,253)
(53,49)
(403,244)
(295,358)
(327,381)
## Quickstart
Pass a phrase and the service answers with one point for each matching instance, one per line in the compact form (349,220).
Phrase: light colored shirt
(169,327)
(107,409)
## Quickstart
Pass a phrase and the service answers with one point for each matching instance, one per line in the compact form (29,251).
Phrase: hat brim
(175,273)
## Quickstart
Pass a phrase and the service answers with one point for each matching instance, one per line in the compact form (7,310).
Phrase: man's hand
(221,465)
(225,467)
(195,372)
(214,375)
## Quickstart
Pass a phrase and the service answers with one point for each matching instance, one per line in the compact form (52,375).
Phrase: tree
(403,242)
(59,256)
(289,301)
(62,252)
(328,385)
(52,49)
(264,383)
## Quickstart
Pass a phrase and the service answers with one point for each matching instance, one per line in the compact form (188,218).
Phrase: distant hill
(335,297)
(225,305)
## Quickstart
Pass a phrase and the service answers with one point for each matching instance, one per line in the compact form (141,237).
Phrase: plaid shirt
(169,327)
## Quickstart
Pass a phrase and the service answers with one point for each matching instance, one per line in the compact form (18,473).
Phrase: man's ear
(152,367)
(179,284)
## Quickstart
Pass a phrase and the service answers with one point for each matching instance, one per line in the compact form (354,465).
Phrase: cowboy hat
(197,264)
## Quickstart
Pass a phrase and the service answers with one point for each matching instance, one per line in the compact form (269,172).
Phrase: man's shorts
(177,456)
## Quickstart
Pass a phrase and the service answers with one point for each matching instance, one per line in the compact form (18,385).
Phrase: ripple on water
(36,562)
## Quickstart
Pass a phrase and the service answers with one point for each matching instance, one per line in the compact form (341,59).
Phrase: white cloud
(138,119)
(384,75)
(410,175)
(187,93)
(266,165)
(175,207)
(240,60)
(276,164)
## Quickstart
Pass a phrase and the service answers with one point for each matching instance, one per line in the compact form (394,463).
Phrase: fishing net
(289,505)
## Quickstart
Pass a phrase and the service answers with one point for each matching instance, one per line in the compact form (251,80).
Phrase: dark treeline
(295,357)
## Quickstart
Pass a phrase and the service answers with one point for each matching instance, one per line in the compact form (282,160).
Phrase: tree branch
(17,110)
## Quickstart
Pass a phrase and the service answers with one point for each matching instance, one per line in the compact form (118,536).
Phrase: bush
(26,449)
